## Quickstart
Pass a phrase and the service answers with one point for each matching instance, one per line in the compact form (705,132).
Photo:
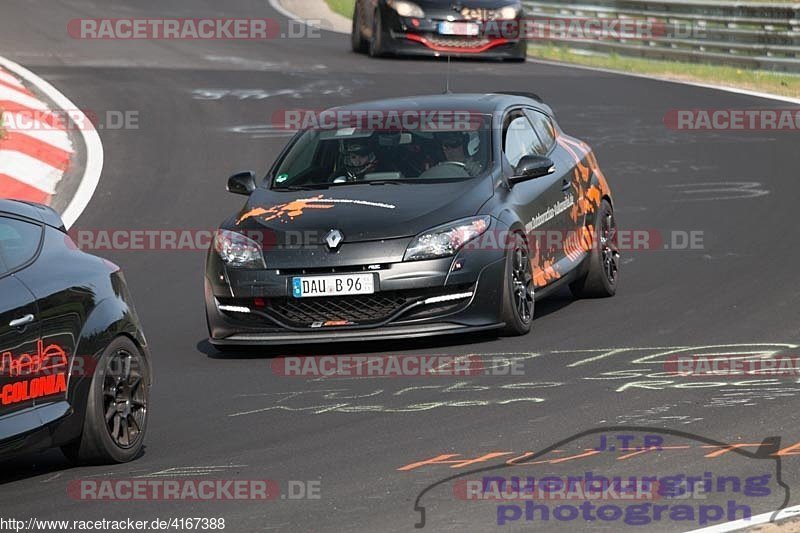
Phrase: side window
(19,242)
(299,158)
(520,140)
(544,129)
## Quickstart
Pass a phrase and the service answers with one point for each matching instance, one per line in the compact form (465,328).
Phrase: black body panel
(79,303)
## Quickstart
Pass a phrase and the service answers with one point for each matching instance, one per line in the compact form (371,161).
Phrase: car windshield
(323,158)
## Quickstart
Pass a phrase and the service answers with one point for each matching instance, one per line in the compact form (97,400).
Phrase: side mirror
(242,183)
(532,167)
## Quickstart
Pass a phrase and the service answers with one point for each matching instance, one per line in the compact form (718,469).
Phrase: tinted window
(544,129)
(520,140)
(19,242)
(325,157)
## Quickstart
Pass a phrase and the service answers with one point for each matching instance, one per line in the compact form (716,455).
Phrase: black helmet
(451,139)
(470,141)
(359,147)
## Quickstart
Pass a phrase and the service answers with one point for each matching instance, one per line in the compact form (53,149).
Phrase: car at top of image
(357,233)
(74,364)
(468,28)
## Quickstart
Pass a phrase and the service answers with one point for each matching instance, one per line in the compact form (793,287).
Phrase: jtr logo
(45,359)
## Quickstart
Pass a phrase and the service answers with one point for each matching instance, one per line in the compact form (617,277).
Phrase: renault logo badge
(334,238)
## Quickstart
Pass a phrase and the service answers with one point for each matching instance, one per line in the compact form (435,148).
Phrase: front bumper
(421,37)
(413,299)
(420,45)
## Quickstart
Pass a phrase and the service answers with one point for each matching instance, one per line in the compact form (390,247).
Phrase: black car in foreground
(74,364)
(485,28)
(412,229)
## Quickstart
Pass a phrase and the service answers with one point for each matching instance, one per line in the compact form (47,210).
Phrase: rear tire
(357,41)
(600,280)
(116,408)
(518,302)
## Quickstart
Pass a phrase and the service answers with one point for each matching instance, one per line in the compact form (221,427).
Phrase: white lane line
(91,140)
(30,171)
(783,514)
(277,6)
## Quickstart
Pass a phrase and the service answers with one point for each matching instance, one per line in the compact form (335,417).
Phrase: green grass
(756,80)
(343,7)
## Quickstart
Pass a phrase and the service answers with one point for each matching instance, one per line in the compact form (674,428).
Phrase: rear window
(19,242)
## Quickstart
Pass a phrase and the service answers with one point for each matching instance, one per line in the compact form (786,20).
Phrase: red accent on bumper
(455,49)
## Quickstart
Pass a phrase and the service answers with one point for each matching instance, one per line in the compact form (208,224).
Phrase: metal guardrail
(754,35)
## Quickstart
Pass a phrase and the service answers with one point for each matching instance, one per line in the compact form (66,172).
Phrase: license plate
(459,28)
(308,287)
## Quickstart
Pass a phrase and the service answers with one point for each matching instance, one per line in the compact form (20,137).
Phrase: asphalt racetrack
(206,110)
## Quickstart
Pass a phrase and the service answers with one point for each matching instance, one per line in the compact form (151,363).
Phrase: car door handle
(20,322)
(565,185)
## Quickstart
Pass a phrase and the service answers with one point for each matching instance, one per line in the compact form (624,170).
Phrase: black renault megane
(399,225)
(74,363)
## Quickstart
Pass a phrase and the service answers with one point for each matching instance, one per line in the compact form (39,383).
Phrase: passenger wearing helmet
(456,149)
(358,159)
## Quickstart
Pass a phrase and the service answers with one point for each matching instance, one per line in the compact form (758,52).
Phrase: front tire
(376,48)
(600,281)
(116,409)
(518,301)
(357,41)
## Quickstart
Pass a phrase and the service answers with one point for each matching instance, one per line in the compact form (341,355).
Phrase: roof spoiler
(524,94)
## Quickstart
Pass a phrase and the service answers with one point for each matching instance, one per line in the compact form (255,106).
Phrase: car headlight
(238,251)
(446,240)
(508,12)
(406,9)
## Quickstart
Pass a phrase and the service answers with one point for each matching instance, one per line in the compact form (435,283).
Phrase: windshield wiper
(371,182)
(301,187)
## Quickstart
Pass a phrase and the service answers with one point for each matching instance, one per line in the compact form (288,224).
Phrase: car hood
(360,212)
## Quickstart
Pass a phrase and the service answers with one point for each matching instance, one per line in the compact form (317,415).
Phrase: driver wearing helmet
(456,149)
(358,159)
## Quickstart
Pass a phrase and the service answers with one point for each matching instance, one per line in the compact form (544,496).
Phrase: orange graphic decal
(589,195)
(288,211)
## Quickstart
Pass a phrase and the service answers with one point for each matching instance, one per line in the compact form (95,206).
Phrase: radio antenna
(447,82)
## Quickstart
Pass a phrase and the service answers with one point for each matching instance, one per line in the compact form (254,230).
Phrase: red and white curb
(34,156)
